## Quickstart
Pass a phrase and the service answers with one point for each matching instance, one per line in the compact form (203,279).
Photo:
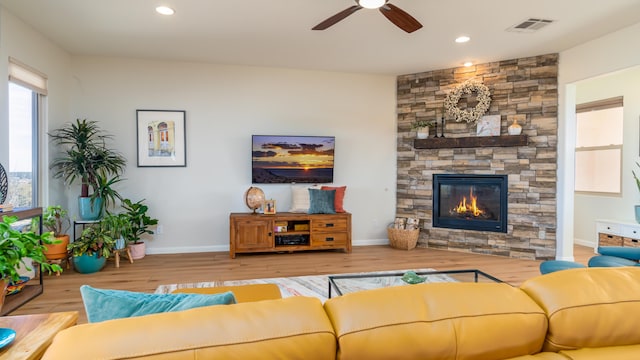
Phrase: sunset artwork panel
(292,159)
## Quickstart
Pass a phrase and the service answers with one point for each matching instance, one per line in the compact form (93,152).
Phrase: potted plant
(422,128)
(55,220)
(86,158)
(15,246)
(140,223)
(118,227)
(91,250)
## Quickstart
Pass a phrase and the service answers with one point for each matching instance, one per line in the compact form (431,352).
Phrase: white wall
(613,52)
(588,208)
(22,42)
(225,105)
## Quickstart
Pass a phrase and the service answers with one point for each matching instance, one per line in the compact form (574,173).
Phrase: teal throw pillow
(322,201)
(105,304)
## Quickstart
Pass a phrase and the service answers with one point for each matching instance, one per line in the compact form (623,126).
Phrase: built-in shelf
(471,142)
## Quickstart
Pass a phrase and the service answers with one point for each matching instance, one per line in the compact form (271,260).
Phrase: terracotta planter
(137,250)
(57,251)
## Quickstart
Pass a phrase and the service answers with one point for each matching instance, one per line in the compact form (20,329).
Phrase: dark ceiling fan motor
(397,16)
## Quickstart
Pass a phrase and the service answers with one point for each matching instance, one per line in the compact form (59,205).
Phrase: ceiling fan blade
(400,18)
(337,17)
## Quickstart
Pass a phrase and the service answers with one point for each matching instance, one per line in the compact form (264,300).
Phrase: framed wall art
(489,125)
(161,138)
(269,207)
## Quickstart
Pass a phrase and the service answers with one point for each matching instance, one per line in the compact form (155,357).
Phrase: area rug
(314,285)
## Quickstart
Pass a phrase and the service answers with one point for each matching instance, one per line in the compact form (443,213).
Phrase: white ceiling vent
(530,25)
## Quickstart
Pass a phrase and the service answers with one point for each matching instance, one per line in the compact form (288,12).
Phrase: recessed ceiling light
(165,10)
(462,39)
(468,63)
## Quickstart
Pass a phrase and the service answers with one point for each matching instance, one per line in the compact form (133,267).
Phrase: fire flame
(463,207)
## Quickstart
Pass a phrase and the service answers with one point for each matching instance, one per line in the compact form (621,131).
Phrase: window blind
(27,76)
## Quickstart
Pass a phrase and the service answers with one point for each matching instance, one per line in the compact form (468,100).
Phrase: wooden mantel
(471,142)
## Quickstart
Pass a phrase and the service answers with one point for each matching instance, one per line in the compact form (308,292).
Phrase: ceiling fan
(396,15)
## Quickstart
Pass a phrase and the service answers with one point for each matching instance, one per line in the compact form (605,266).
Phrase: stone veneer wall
(526,89)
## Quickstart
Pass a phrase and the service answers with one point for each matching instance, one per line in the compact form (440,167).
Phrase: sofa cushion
(106,304)
(242,293)
(540,356)
(290,328)
(339,199)
(300,200)
(322,201)
(626,252)
(588,308)
(630,352)
(437,321)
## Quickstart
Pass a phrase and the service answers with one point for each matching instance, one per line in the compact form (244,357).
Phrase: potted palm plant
(140,223)
(86,157)
(15,246)
(93,248)
(55,220)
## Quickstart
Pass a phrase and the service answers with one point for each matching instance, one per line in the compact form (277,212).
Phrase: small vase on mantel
(515,128)
(422,133)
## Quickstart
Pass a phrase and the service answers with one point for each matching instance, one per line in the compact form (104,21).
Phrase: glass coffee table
(344,284)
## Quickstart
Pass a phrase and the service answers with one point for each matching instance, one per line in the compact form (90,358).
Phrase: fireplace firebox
(470,202)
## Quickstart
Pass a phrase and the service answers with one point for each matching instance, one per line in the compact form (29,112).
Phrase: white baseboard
(371,242)
(584,242)
(225,248)
(186,250)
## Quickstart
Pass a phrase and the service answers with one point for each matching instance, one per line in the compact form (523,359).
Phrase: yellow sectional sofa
(578,314)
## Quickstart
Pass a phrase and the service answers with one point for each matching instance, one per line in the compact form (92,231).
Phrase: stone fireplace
(521,89)
(470,202)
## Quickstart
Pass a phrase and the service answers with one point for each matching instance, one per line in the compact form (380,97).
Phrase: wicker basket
(402,239)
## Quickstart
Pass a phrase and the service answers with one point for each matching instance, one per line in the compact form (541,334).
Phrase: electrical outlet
(159,229)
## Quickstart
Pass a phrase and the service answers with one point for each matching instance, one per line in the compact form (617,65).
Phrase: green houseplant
(86,157)
(91,250)
(55,220)
(140,223)
(118,227)
(15,246)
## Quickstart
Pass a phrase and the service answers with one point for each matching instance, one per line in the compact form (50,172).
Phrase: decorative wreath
(468,87)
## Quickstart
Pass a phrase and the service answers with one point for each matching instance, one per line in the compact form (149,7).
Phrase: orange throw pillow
(339,199)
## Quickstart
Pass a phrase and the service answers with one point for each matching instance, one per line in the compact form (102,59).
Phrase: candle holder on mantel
(442,126)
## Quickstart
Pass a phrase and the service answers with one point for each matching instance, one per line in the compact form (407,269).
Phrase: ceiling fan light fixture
(371,4)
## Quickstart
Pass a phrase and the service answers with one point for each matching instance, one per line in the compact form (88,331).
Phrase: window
(26,90)
(599,132)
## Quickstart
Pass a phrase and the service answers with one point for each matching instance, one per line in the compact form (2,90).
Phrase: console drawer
(608,227)
(328,239)
(328,224)
(630,231)
(609,240)
(630,242)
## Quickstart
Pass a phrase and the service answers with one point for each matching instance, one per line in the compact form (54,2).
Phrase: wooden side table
(34,333)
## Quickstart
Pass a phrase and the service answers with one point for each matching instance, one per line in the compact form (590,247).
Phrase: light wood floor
(62,293)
